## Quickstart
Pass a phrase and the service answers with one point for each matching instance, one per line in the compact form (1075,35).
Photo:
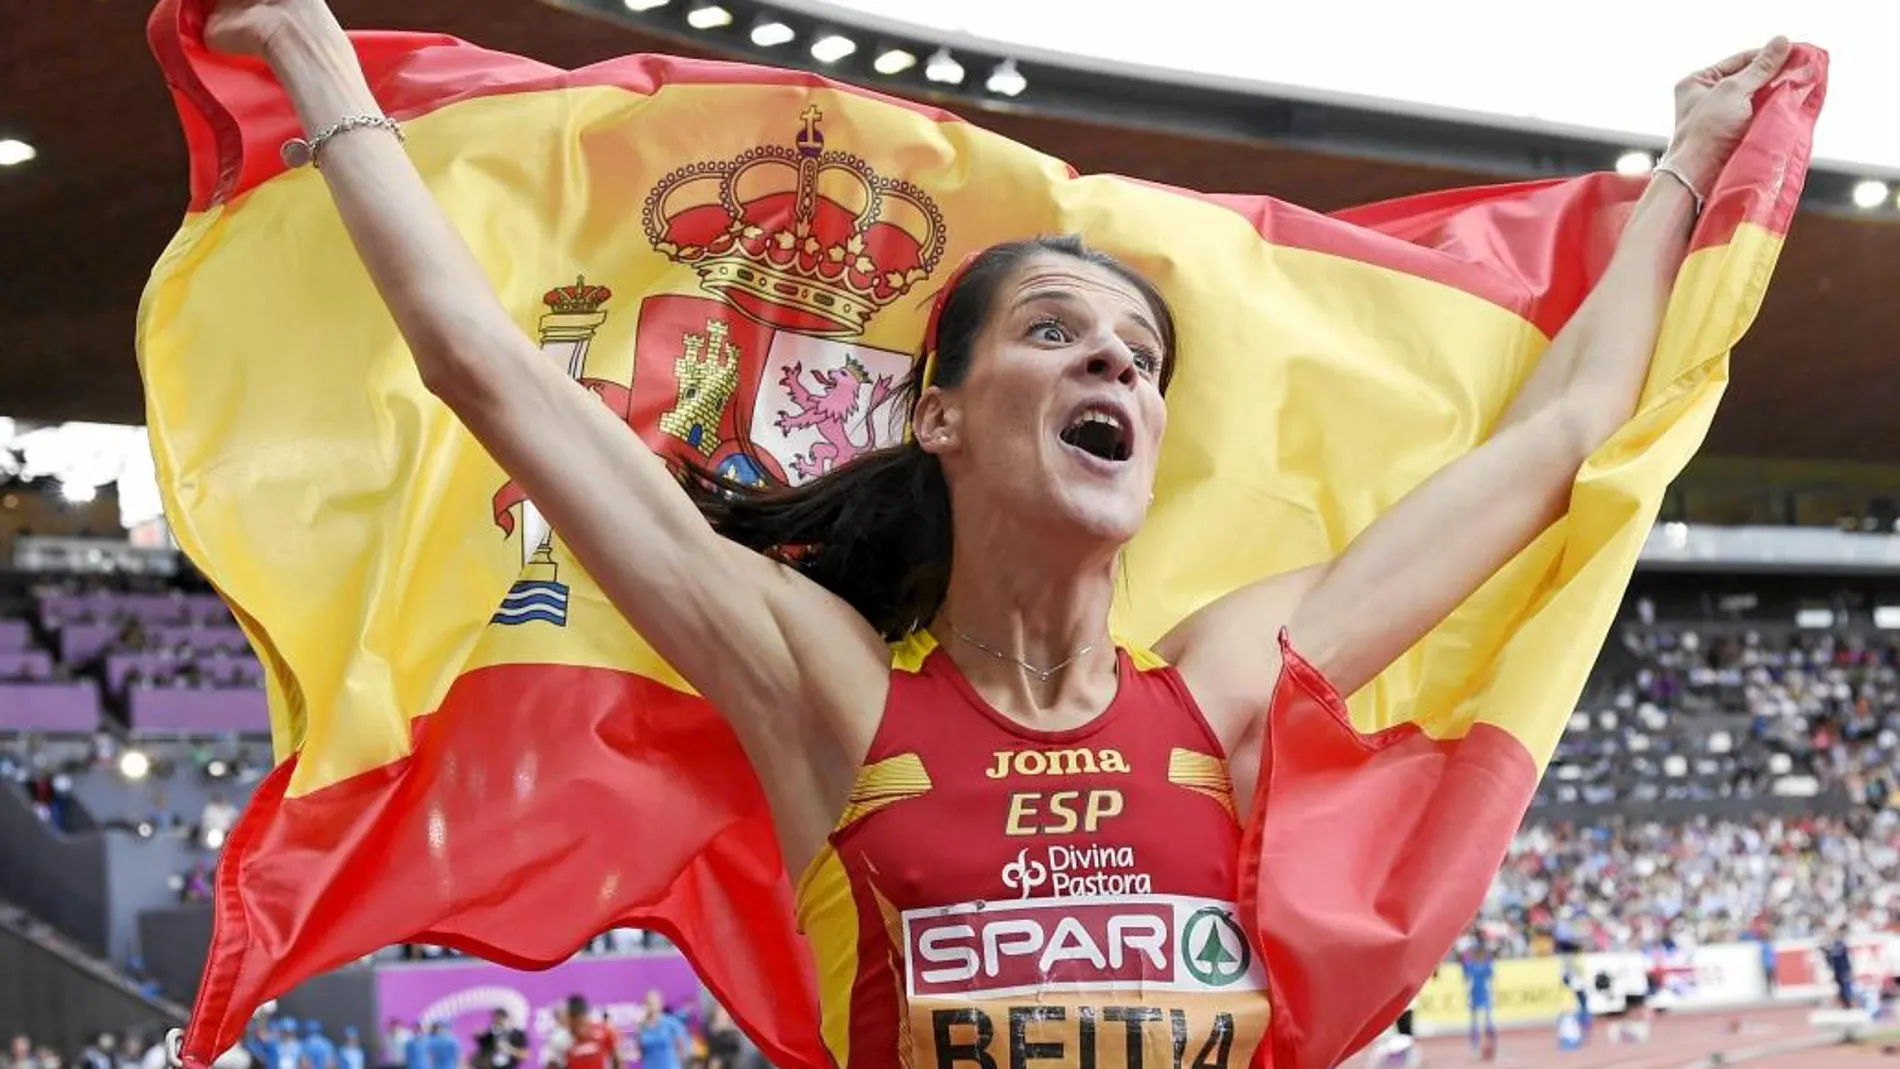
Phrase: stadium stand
(1730,775)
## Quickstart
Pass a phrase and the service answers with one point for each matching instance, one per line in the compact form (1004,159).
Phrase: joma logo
(1056,763)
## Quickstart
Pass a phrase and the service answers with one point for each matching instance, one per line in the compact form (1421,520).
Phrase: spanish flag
(475,750)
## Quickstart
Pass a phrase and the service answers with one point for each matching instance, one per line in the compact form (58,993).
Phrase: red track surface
(1674,1043)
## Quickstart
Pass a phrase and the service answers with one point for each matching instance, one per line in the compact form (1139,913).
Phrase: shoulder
(1229,652)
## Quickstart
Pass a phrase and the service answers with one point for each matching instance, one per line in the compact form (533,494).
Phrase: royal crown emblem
(798,237)
(577,299)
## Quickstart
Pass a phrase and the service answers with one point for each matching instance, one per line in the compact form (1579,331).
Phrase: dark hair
(876,531)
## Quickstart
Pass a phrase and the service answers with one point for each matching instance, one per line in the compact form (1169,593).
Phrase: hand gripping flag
(475,750)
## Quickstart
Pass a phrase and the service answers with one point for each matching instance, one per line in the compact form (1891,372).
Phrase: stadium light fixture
(134,765)
(1870,194)
(637,6)
(944,68)
(14,152)
(708,17)
(1007,80)
(772,33)
(894,61)
(832,47)
(1634,162)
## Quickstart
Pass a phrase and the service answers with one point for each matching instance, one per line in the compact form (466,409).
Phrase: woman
(662,1038)
(927,628)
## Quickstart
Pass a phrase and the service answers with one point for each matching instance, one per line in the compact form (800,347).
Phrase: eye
(1052,330)
(1146,359)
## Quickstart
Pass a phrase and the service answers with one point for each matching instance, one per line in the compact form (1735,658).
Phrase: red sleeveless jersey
(593,1046)
(996,896)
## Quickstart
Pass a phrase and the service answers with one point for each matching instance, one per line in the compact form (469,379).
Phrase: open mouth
(1099,433)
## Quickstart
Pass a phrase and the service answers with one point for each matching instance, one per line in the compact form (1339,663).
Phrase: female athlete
(1018,839)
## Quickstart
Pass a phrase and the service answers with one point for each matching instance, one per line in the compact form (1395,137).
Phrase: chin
(1109,519)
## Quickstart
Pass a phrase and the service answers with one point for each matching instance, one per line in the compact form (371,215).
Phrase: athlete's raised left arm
(1354,615)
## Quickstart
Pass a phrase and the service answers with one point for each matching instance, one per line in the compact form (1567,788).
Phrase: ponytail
(875,532)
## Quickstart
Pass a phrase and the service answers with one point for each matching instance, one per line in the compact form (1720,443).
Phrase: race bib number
(1103,982)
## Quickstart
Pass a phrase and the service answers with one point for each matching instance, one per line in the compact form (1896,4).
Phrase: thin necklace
(1042,674)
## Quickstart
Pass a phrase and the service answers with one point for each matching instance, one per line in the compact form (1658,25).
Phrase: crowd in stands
(1716,714)
(1636,886)
(135,1050)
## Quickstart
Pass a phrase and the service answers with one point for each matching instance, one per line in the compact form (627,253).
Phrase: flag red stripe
(510,810)
(1365,858)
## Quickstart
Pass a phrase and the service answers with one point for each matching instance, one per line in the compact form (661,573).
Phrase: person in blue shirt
(1840,962)
(350,1055)
(289,1047)
(318,1051)
(1479,972)
(444,1051)
(662,1038)
(415,1054)
(261,1044)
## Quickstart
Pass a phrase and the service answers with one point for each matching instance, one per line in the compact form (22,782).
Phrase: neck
(1009,606)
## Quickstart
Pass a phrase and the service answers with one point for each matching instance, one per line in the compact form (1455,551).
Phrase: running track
(1690,1042)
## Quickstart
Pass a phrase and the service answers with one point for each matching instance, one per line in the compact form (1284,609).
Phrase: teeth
(1096,417)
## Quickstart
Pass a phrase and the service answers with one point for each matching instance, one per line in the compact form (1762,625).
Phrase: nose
(1112,361)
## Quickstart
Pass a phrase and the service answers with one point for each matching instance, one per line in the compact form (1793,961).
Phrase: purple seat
(32,664)
(197,711)
(79,643)
(160,667)
(61,609)
(14,635)
(67,708)
(207,639)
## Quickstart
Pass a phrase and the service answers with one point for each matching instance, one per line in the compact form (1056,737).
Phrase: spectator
(289,1046)
(663,1039)
(445,1051)
(583,1042)
(726,1046)
(318,1051)
(1840,962)
(98,1053)
(350,1055)
(416,1051)
(396,1040)
(501,1045)
(1479,972)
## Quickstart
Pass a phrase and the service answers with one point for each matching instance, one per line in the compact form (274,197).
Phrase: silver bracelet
(1669,169)
(298,151)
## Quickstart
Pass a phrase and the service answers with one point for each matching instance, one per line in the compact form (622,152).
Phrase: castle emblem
(762,376)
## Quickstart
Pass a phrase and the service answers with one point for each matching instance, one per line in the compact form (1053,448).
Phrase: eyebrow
(1070,299)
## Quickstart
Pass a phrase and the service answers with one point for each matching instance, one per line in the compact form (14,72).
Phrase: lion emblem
(829,406)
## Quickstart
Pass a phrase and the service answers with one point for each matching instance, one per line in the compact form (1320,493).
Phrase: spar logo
(1134,942)
(1217,953)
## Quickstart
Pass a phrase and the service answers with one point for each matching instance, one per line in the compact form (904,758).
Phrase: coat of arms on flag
(766,381)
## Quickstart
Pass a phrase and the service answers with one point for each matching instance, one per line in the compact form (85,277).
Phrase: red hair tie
(936,314)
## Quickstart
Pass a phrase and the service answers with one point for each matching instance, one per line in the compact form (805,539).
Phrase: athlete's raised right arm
(693,595)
